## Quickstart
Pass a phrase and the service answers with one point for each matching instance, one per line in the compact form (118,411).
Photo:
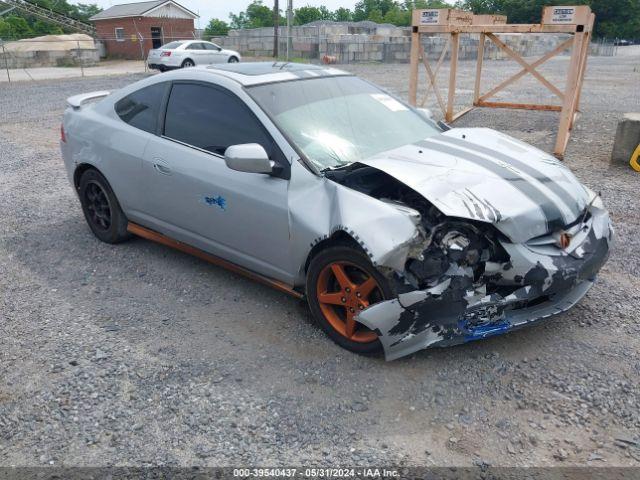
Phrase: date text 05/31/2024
(315,473)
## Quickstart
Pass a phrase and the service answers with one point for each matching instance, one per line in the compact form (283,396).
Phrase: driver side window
(212,119)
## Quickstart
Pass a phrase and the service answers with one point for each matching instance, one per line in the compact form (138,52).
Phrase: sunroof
(263,68)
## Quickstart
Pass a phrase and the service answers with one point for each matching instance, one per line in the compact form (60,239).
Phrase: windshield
(340,120)
(172,45)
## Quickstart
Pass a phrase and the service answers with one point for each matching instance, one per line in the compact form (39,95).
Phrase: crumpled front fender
(457,310)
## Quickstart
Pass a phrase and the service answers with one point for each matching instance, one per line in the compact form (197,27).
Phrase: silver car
(401,233)
(189,53)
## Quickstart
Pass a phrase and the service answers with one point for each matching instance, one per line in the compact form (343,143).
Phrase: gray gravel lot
(140,355)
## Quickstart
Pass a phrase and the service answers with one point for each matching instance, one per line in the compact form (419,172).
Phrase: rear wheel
(188,63)
(101,209)
(341,282)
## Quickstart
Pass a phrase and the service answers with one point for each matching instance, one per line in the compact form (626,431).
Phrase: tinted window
(140,109)
(210,46)
(172,45)
(211,119)
(195,46)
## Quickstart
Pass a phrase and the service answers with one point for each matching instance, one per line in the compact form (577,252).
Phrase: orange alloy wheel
(343,290)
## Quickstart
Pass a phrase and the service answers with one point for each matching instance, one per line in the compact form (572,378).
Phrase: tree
(343,15)
(21,25)
(216,28)
(398,16)
(84,11)
(308,14)
(617,18)
(614,18)
(256,15)
(18,27)
(372,9)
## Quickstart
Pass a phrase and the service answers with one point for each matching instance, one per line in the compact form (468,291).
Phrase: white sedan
(189,53)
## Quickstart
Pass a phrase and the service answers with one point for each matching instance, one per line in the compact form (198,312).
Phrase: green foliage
(255,16)
(84,11)
(614,18)
(308,14)
(216,28)
(14,26)
(343,15)
(20,25)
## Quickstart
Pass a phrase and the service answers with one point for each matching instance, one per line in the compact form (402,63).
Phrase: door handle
(162,168)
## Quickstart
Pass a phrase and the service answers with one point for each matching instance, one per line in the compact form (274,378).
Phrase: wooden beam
(583,67)
(563,46)
(461,113)
(432,79)
(476,89)
(432,82)
(525,65)
(519,106)
(196,252)
(455,48)
(509,28)
(413,74)
(570,95)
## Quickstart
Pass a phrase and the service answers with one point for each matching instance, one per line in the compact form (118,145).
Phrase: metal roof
(134,9)
(257,73)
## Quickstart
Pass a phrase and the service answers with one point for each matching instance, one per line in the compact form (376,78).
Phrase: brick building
(131,30)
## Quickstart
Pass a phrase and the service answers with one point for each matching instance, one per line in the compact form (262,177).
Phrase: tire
(101,208)
(188,63)
(332,302)
(162,68)
(233,60)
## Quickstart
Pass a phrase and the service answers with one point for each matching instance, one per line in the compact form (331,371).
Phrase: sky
(208,9)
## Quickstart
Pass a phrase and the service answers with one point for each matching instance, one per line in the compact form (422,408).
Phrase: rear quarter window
(141,108)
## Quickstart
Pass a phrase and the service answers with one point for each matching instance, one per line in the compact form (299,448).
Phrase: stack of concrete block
(365,42)
(50,51)
(627,139)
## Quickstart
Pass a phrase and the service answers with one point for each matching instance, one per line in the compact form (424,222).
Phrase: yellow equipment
(635,160)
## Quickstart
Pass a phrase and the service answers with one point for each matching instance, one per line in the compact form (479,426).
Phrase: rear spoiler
(76,101)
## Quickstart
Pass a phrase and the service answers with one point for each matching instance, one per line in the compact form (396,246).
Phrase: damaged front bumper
(540,283)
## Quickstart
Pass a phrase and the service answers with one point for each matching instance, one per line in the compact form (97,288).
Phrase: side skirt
(196,252)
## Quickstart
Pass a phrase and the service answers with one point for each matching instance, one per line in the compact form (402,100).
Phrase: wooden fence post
(413,74)
(455,47)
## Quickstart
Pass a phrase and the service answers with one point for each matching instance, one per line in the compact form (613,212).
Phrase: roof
(52,43)
(257,73)
(136,9)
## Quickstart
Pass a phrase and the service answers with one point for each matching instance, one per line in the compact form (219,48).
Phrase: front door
(198,53)
(214,53)
(156,37)
(191,193)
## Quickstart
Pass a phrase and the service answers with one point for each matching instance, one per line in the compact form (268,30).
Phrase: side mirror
(248,158)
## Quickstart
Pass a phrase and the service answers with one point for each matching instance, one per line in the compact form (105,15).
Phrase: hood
(481,174)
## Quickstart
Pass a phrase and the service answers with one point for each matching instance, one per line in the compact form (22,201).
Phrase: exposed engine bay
(445,241)
(464,279)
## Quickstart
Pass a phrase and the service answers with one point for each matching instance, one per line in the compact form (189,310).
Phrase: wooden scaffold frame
(575,20)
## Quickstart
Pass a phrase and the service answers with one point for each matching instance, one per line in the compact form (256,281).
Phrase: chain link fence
(82,52)
(25,58)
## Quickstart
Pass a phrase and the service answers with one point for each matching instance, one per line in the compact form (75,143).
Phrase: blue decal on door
(219,201)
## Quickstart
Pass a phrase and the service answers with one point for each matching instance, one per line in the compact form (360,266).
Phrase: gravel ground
(139,355)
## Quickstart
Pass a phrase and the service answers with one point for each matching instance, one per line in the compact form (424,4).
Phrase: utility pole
(276,27)
(289,23)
